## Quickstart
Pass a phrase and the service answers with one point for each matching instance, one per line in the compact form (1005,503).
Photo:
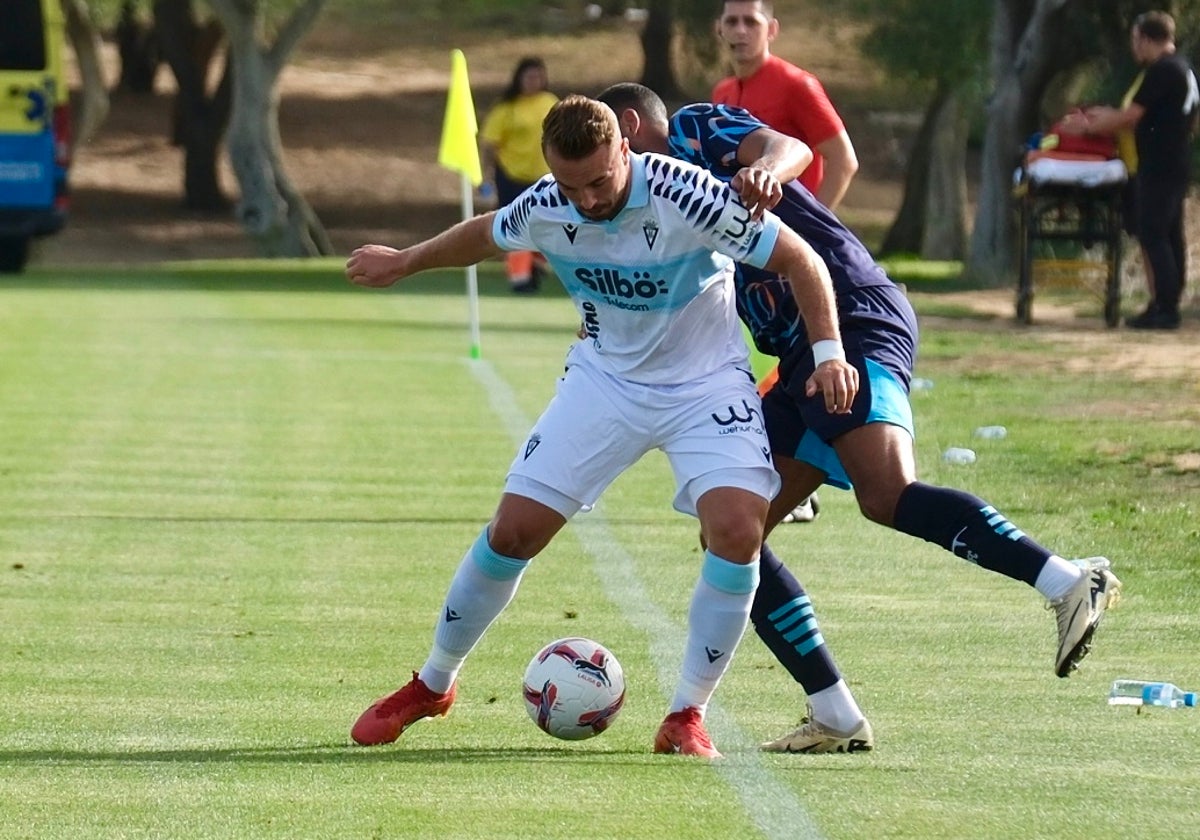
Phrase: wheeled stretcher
(1076,201)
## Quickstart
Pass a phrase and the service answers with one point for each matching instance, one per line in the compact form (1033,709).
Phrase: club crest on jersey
(571,231)
(650,229)
(534,440)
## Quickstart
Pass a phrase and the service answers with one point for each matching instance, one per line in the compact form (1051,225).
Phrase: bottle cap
(1189,699)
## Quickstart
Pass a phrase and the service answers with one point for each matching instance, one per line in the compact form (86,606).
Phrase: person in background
(1160,111)
(794,102)
(512,150)
(785,97)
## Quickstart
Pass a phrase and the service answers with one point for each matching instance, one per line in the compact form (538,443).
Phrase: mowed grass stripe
(187,637)
(772,807)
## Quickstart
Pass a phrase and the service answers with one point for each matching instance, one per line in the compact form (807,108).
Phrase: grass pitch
(231,499)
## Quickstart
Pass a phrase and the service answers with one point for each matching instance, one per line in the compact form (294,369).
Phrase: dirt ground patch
(1086,345)
(360,128)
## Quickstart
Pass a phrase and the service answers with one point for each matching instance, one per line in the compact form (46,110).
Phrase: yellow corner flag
(458,150)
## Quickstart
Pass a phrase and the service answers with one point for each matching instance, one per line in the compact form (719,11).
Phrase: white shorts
(597,426)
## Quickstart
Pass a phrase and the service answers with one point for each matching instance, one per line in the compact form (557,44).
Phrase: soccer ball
(574,688)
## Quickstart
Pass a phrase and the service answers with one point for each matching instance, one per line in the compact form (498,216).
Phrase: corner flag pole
(459,152)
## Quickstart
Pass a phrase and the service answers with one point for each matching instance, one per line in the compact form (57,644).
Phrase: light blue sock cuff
(734,578)
(493,565)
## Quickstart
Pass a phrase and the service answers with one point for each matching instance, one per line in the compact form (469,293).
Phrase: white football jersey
(654,286)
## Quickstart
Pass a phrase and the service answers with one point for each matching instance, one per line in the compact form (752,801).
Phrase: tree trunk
(199,119)
(1022,63)
(270,209)
(908,229)
(138,49)
(932,217)
(85,40)
(658,74)
(945,235)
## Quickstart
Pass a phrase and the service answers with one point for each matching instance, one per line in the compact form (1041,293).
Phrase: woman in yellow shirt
(512,146)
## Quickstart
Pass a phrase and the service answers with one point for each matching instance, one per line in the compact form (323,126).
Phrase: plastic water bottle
(919,384)
(991,432)
(957,455)
(1142,693)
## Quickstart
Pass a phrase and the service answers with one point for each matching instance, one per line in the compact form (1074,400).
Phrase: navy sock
(783,618)
(969,528)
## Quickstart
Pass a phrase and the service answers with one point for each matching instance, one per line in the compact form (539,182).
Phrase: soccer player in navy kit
(645,246)
(870,448)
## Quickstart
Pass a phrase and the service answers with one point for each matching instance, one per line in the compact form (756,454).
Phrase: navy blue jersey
(708,136)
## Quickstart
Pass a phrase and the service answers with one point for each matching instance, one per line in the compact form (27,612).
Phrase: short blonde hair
(576,126)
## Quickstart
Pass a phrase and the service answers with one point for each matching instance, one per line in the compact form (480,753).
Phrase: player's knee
(510,537)
(736,539)
(877,504)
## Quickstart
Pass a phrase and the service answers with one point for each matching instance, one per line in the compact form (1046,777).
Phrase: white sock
(717,618)
(1057,578)
(483,586)
(835,708)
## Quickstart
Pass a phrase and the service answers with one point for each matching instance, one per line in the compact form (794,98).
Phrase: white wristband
(827,349)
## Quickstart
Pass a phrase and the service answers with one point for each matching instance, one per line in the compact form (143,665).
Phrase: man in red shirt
(785,97)
(791,101)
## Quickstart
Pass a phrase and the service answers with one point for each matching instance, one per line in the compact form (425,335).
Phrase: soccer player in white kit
(645,245)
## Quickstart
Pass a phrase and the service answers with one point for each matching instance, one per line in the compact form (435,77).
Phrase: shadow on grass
(167,519)
(493,325)
(319,274)
(339,753)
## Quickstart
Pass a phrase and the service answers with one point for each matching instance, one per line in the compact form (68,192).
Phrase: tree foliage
(940,45)
(924,40)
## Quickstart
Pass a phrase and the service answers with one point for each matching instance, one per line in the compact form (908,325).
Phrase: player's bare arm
(841,163)
(834,377)
(770,159)
(464,244)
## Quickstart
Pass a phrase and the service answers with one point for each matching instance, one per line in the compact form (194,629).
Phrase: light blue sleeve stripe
(496,566)
(734,578)
(766,241)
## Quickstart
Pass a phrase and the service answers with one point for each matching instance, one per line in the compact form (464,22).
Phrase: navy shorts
(879,333)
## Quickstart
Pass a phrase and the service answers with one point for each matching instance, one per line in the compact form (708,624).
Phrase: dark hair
(513,90)
(1158,27)
(638,97)
(576,126)
(767,6)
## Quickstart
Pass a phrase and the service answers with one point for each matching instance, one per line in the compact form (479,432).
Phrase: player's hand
(837,379)
(758,189)
(376,266)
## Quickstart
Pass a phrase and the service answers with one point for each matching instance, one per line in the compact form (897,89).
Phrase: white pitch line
(772,806)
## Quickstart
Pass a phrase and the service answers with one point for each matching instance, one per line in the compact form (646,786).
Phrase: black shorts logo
(735,417)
